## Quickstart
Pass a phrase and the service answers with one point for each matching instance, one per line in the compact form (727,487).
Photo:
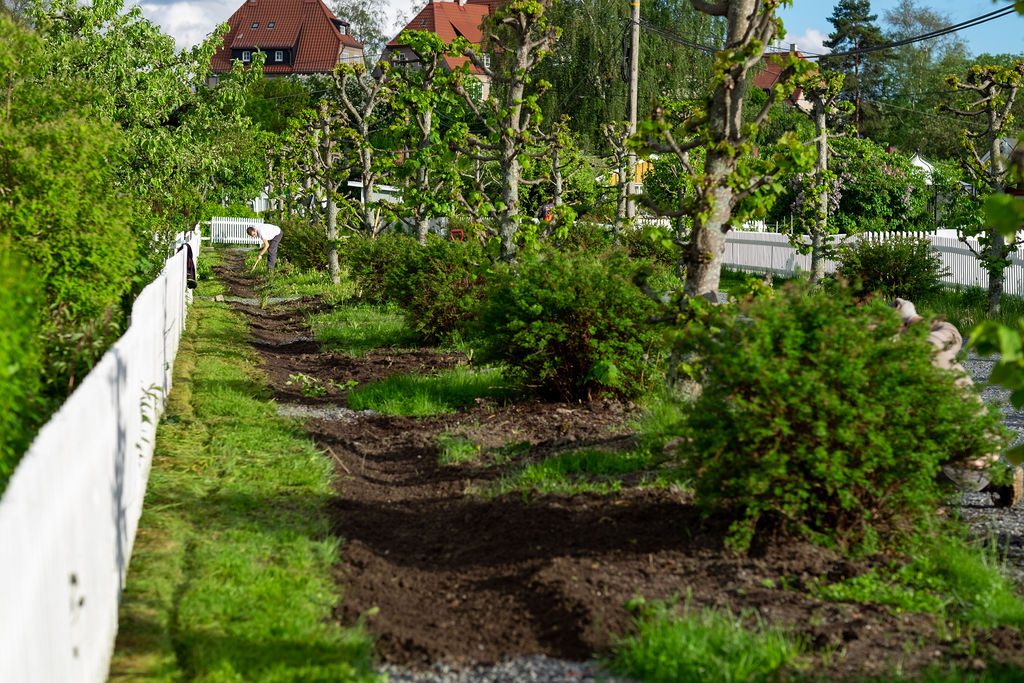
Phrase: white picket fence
(69,514)
(765,252)
(232,230)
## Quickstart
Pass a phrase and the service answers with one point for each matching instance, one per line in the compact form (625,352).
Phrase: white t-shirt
(267,231)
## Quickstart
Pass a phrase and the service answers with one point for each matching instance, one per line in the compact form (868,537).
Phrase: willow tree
(730,174)
(520,37)
(987,97)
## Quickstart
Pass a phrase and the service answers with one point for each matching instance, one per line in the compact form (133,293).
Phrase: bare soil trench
(462,579)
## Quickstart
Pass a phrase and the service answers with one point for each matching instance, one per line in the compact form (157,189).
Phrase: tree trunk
(510,216)
(332,239)
(557,183)
(706,249)
(423,177)
(820,229)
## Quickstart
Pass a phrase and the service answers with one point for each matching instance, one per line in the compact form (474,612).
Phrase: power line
(970,23)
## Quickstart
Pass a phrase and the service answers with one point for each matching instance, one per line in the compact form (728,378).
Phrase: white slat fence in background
(232,230)
(69,514)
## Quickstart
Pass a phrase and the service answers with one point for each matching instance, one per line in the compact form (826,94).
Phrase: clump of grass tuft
(359,329)
(423,395)
(706,645)
(456,449)
(947,576)
(581,471)
(287,282)
(966,307)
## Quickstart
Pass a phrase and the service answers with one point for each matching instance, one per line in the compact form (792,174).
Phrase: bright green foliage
(455,449)
(231,575)
(878,190)
(19,361)
(906,267)
(422,395)
(572,472)
(817,417)
(569,325)
(692,646)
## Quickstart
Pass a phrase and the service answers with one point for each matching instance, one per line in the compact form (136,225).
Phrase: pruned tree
(361,93)
(423,99)
(617,136)
(520,37)
(987,95)
(730,174)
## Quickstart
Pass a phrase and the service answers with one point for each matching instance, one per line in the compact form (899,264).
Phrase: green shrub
(382,268)
(905,267)
(584,236)
(19,362)
(817,417)
(303,244)
(652,244)
(445,285)
(569,324)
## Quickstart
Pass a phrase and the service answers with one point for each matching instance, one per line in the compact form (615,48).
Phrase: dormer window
(255,25)
(279,56)
(271,25)
(246,56)
(343,29)
(486,60)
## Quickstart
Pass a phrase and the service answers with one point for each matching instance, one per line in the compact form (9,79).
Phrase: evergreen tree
(854,29)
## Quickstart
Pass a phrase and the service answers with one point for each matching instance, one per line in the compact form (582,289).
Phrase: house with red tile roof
(297,37)
(449,19)
(771,72)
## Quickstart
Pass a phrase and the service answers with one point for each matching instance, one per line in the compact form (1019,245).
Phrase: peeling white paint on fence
(772,252)
(69,514)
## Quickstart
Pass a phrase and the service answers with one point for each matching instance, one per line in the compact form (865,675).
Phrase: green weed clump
(817,417)
(684,646)
(906,267)
(423,395)
(572,472)
(454,449)
(569,325)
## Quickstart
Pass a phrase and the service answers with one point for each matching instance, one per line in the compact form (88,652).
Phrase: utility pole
(634,78)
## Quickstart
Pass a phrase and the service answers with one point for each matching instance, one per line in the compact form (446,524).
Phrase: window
(486,59)
(271,25)
(343,29)
(246,56)
(255,25)
(279,56)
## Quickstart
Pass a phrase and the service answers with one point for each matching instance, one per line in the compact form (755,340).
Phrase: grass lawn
(231,579)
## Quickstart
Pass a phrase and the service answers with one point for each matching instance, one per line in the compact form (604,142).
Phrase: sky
(189,21)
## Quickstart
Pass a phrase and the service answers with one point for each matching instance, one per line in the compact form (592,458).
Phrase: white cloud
(189,22)
(809,42)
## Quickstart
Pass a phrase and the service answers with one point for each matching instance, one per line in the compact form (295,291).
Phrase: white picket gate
(69,514)
(232,230)
(765,252)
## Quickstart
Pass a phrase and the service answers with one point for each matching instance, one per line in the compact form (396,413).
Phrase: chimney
(792,47)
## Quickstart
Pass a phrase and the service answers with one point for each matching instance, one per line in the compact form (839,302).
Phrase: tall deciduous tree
(521,36)
(988,94)
(854,30)
(716,127)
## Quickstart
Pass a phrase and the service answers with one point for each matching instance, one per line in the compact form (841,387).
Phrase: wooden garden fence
(70,511)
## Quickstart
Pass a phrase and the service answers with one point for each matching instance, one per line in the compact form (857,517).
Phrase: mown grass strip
(424,395)
(231,575)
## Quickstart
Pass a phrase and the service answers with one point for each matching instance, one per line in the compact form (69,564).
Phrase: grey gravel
(249,301)
(322,412)
(1004,525)
(537,669)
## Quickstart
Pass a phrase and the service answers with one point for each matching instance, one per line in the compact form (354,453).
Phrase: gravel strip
(1006,525)
(322,412)
(537,669)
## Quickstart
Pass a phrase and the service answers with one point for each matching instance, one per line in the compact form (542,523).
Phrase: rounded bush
(303,244)
(570,324)
(817,417)
(905,267)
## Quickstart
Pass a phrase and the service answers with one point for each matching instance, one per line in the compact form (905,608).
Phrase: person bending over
(270,237)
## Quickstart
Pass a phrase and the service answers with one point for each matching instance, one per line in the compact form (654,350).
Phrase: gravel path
(538,669)
(1005,524)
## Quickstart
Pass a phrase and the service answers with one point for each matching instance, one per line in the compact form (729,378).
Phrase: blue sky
(807,23)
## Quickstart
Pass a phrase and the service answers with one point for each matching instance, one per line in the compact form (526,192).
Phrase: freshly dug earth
(454,576)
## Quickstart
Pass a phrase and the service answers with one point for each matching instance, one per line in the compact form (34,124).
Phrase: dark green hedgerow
(818,417)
